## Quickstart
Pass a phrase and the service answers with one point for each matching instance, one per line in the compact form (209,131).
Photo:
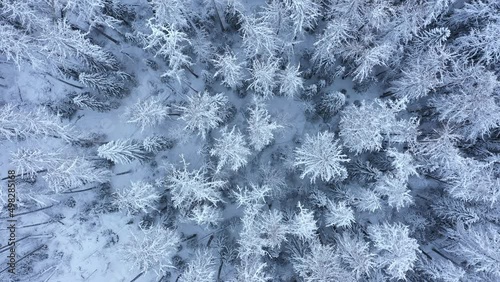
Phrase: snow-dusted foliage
(202,268)
(303,14)
(339,215)
(59,171)
(398,251)
(169,42)
(87,100)
(151,249)
(147,113)
(332,102)
(291,82)
(109,83)
(189,187)
(229,69)
(364,128)
(156,143)
(322,158)
(203,112)
(355,252)
(205,215)
(260,126)
(258,37)
(74,173)
(321,264)
(303,224)
(140,196)
(396,191)
(264,76)
(21,124)
(122,151)
(478,246)
(230,149)
(476,108)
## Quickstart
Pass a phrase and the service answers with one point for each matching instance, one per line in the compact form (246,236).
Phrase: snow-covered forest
(250,140)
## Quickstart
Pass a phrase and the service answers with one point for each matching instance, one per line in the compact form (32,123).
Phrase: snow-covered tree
(251,197)
(229,69)
(172,13)
(201,269)
(260,127)
(329,45)
(122,151)
(156,143)
(273,228)
(456,210)
(363,128)
(147,113)
(74,173)
(290,81)
(339,215)
(170,43)
(22,124)
(59,171)
(189,187)
(479,246)
(355,252)
(151,249)
(303,14)
(231,149)
(202,112)
(109,83)
(140,196)
(252,269)
(303,224)
(395,188)
(474,180)
(332,102)
(258,37)
(440,269)
(264,76)
(321,264)
(477,110)
(206,215)
(87,100)
(322,158)
(376,56)
(363,199)
(398,251)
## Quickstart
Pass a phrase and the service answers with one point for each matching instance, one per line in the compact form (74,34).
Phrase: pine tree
(303,224)
(229,69)
(87,100)
(258,37)
(147,113)
(170,43)
(201,269)
(230,149)
(264,76)
(108,83)
(205,214)
(151,249)
(321,157)
(339,215)
(121,151)
(202,112)
(355,252)
(398,250)
(260,127)
(303,14)
(479,246)
(291,83)
(21,124)
(190,187)
(321,264)
(138,197)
